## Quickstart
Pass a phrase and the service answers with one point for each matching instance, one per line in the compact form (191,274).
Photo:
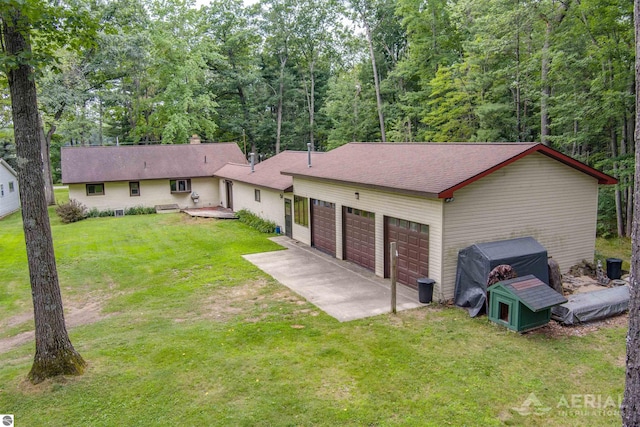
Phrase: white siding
(152,193)
(9,200)
(535,196)
(422,210)
(270,206)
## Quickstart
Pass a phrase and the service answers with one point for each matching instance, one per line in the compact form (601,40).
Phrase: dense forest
(279,74)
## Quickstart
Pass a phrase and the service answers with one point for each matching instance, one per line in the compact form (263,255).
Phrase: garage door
(359,237)
(323,226)
(413,249)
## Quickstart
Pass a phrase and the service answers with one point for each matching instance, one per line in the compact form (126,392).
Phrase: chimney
(195,139)
(253,160)
(308,154)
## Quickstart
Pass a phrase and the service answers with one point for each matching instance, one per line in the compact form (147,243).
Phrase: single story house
(118,177)
(261,188)
(9,194)
(435,199)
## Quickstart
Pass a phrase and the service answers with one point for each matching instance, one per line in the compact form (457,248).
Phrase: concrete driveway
(339,288)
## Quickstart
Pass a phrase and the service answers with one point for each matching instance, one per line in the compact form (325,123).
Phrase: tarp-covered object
(592,306)
(525,255)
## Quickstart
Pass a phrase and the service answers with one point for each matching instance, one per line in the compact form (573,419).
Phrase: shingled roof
(266,173)
(533,292)
(427,169)
(142,162)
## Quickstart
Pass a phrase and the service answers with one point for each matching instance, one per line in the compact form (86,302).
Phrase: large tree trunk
(630,409)
(55,354)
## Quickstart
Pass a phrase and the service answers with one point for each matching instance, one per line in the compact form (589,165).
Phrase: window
(301,210)
(134,188)
(1,190)
(95,189)
(256,194)
(180,185)
(11,187)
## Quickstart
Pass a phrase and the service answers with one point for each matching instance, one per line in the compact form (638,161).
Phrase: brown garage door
(413,249)
(359,237)
(323,226)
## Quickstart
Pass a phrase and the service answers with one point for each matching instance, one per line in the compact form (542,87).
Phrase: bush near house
(71,211)
(254,221)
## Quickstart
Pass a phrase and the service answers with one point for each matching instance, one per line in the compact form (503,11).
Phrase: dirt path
(76,315)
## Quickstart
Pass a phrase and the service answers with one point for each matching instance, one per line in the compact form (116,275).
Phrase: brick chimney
(195,139)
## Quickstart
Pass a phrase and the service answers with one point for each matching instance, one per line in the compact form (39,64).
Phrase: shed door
(323,226)
(413,249)
(359,237)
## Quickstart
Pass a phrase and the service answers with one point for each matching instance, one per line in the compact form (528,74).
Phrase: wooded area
(280,74)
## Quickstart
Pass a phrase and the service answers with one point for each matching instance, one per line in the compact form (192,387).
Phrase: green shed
(523,303)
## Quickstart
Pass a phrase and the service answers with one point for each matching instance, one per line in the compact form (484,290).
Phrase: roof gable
(532,292)
(143,162)
(266,173)
(8,167)
(427,169)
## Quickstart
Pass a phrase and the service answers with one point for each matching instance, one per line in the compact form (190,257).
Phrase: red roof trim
(602,178)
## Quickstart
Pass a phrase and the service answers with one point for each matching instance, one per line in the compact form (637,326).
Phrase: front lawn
(179,329)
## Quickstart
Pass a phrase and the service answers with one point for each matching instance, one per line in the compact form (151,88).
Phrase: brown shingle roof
(433,170)
(141,162)
(267,173)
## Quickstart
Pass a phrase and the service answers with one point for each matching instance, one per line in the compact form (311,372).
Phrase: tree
(631,404)
(55,355)
(363,11)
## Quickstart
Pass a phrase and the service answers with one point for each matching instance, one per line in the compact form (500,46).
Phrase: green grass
(194,335)
(614,248)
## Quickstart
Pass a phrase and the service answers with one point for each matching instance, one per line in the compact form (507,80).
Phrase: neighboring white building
(262,189)
(435,199)
(117,177)
(9,194)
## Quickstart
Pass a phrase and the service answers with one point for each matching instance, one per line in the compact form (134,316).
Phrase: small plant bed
(254,221)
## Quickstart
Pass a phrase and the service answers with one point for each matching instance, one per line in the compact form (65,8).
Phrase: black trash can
(425,289)
(614,268)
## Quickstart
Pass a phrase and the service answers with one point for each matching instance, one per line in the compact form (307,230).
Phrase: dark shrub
(72,211)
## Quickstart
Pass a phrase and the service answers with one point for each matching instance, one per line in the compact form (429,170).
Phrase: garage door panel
(323,226)
(359,237)
(413,249)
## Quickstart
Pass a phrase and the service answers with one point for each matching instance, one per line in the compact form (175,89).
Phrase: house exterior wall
(417,209)
(9,200)
(270,206)
(152,193)
(535,196)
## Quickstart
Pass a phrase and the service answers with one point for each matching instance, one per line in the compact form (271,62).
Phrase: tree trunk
(376,79)
(283,63)
(546,87)
(630,409)
(55,354)
(312,102)
(46,164)
(613,144)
